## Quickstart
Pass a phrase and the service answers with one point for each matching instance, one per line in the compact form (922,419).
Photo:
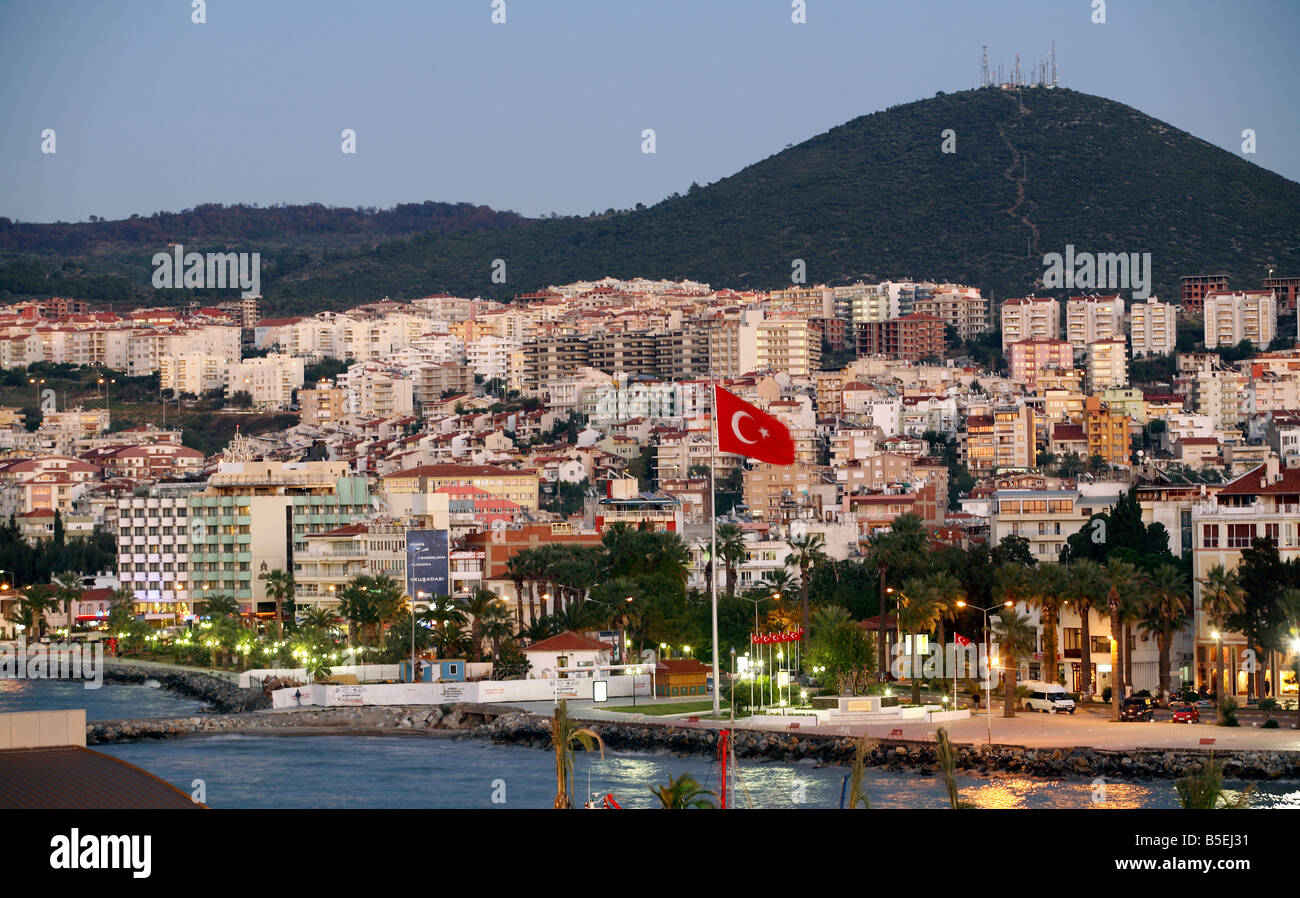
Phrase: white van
(1047,697)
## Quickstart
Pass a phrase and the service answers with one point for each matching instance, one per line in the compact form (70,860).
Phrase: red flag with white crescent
(747,430)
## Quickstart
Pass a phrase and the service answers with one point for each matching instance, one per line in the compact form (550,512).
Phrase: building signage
(427,565)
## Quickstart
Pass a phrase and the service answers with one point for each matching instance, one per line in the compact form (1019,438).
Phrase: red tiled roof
(568,641)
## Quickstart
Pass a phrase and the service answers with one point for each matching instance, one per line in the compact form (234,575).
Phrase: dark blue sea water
(109,702)
(277,771)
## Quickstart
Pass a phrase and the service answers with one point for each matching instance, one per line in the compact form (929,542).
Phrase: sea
(423,771)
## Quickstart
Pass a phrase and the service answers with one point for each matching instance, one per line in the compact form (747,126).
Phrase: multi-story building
(517,486)
(1153,328)
(322,405)
(1028,358)
(1261,504)
(1107,432)
(1092,318)
(911,337)
(378,390)
(1107,364)
(270,380)
(1030,319)
(628,353)
(1197,286)
(959,307)
(1046,518)
(335,557)
(1287,291)
(489,356)
(1244,315)
(1000,439)
(153,551)
(549,359)
(788,345)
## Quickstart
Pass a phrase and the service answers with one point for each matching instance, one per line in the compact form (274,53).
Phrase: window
(1240,535)
(1272,531)
(1210,536)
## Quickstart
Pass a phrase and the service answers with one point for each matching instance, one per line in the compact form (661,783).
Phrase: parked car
(1185,712)
(1135,708)
(1047,697)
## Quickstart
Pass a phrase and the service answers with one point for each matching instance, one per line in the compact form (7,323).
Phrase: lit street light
(988,663)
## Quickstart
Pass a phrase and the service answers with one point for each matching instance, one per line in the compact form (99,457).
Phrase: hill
(874,198)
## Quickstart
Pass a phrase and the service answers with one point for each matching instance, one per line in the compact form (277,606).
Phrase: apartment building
(789,345)
(1287,291)
(192,373)
(1092,318)
(913,337)
(378,390)
(270,380)
(518,486)
(997,440)
(1046,518)
(1027,359)
(323,404)
(1263,503)
(1030,319)
(1107,364)
(1107,432)
(958,306)
(1153,328)
(550,359)
(1195,287)
(489,356)
(153,551)
(1242,315)
(333,558)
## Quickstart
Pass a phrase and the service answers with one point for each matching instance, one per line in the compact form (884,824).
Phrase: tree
(683,792)
(564,733)
(321,619)
(897,548)
(1086,587)
(30,609)
(280,587)
(1262,618)
(1044,589)
(919,610)
(844,649)
(805,552)
(67,589)
(483,606)
(1221,599)
(731,549)
(1015,638)
(1164,613)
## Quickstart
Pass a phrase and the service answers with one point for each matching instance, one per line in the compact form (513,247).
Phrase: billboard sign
(427,564)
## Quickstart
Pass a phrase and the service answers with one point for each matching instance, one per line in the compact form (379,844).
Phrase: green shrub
(1228,710)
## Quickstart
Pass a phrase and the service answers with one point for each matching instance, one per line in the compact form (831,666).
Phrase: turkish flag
(962,640)
(749,431)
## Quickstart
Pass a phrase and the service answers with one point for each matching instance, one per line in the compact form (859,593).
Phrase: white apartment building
(377,390)
(1046,518)
(192,372)
(1107,364)
(335,557)
(1030,319)
(270,380)
(1243,315)
(1153,328)
(1092,318)
(490,356)
(788,345)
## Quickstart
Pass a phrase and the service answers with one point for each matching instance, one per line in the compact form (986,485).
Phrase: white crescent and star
(763,432)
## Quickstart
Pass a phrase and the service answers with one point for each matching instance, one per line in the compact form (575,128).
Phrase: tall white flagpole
(713,538)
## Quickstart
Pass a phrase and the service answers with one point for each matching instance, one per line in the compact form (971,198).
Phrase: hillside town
(467,438)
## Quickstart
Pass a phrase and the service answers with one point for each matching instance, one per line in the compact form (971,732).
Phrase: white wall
(440,693)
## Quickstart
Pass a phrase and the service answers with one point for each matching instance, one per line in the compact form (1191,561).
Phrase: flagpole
(713,538)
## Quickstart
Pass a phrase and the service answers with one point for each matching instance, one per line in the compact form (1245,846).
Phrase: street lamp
(988,662)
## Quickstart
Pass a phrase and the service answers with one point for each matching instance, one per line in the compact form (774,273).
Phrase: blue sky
(545,113)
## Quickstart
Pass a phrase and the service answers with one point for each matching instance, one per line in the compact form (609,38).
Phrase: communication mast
(985,79)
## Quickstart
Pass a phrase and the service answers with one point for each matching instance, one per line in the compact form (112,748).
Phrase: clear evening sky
(545,112)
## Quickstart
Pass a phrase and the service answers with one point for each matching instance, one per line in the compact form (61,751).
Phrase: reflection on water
(110,702)
(423,772)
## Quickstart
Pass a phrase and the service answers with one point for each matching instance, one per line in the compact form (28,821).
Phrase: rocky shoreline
(221,695)
(890,754)
(504,724)
(361,720)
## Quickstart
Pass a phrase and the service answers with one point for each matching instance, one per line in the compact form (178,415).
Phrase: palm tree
(1015,639)
(942,590)
(779,582)
(919,610)
(479,607)
(1086,587)
(67,589)
(318,617)
(1164,613)
(1221,598)
(1047,584)
(731,550)
(806,552)
(683,792)
(564,733)
(495,625)
(899,546)
(517,573)
(280,587)
(220,605)
(30,609)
